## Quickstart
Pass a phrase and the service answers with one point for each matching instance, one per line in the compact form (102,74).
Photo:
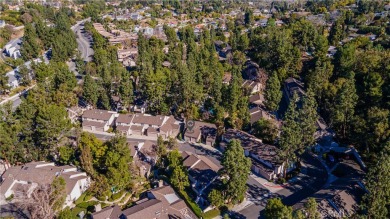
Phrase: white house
(12,49)
(21,181)
(98,120)
(13,81)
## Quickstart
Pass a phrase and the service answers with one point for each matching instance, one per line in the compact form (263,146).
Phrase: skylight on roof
(171,198)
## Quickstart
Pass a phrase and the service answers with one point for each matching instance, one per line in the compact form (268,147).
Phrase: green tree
(308,119)
(266,130)
(117,161)
(126,89)
(344,108)
(236,168)
(179,178)
(311,209)
(30,48)
(216,198)
(248,17)
(291,136)
(276,210)
(66,154)
(80,63)
(373,88)
(174,159)
(58,193)
(273,94)
(377,200)
(336,33)
(52,124)
(90,90)
(65,214)
(86,158)
(24,74)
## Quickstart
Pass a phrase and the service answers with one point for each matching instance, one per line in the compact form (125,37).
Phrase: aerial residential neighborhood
(119,109)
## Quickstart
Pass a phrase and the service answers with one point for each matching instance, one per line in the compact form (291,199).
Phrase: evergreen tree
(336,32)
(117,161)
(344,108)
(90,90)
(248,17)
(179,178)
(236,168)
(276,210)
(311,209)
(291,136)
(273,94)
(24,74)
(216,198)
(51,124)
(126,89)
(377,200)
(30,47)
(266,130)
(308,118)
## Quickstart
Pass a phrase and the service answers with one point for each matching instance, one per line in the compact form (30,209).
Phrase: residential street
(84,45)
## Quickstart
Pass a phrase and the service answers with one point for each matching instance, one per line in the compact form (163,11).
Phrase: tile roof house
(265,158)
(340,200)
(201,132)
(202,173)
(170,128)
(20,181)
(142,124)
(111,212)
(252,86)
(257,113)
(257,99)
(291,86)
(97,120)
(13,81)
(160,203)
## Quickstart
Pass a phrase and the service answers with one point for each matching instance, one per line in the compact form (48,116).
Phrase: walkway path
(109,202)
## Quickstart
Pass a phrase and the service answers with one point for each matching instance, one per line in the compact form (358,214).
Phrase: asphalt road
(83,41)
(84,45)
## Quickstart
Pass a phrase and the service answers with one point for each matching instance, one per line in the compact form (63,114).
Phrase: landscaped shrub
(117,195)
(85,205)
(212,214)
(88,197)
(76,210)
(9,198)
(80,199)
(194,207)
